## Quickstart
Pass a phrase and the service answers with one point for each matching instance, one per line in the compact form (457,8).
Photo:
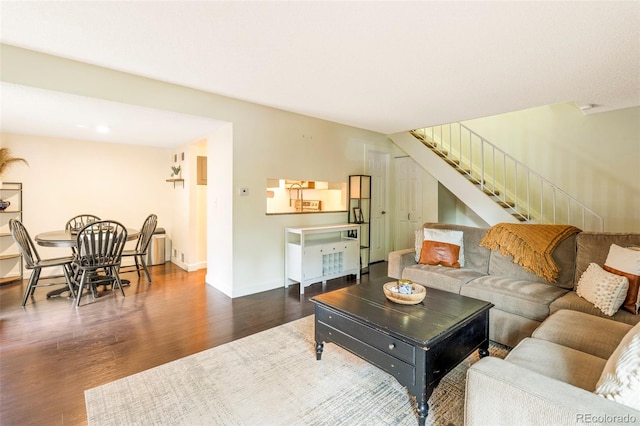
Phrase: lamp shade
(354,185)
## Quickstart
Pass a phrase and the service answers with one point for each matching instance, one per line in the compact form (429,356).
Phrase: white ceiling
(387,66)
(28,110)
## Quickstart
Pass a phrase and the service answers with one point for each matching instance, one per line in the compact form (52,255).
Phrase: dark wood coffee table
(417,344)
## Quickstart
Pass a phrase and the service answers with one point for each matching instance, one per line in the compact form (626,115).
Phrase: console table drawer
(379,340)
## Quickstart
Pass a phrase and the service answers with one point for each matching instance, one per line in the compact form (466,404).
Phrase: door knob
(383,212)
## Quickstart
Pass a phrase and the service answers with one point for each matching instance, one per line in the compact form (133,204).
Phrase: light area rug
(273,378)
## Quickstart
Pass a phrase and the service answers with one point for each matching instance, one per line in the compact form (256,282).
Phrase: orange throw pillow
(631,301)
(439,253)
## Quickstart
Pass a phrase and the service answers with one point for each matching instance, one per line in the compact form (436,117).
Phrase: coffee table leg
(484,350)
(319,347)
(423,410)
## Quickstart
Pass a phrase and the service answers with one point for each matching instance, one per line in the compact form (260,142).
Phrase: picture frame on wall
(357,215)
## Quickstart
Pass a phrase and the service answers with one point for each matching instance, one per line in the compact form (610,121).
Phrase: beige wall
(245,248)
(593,157)
(69,177)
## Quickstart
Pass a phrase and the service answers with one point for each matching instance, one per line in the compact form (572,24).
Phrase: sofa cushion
(574,302)
(620,380)
(529,299)
(583,332)
(441,277)
(509,329)
(558,362)
(563,255)
(605,290)
(476,258)
(499,393)
(594,247)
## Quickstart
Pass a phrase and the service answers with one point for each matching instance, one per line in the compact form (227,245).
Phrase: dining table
(68,238)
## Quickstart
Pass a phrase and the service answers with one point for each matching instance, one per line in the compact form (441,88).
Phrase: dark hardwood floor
(52,352)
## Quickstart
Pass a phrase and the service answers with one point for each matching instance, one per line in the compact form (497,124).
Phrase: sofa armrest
(533,399)
(398,260)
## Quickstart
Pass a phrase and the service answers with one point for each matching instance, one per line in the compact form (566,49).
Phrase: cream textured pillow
(605,290)
(446,236)
(620,379)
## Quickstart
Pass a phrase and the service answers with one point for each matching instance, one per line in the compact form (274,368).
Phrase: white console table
(321,253)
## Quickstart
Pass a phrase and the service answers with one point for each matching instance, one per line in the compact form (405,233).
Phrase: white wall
(200,208)
(67,177)
(245,247)
(593,157)
(268,143)
(452,210)
(189,204)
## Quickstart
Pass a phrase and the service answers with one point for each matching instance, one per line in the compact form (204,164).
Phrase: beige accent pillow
(620,379)
(605,290)
(623,259)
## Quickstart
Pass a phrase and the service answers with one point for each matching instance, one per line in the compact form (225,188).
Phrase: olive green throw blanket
(530,245)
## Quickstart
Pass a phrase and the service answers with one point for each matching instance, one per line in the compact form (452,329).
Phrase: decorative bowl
(4,204)
(391,290)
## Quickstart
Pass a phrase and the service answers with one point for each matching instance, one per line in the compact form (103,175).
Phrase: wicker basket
(417,296)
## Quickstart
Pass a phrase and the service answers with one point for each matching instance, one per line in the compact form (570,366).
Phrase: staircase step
(472,178)
(506,204)
(490,192)
(453,163)
(520,217)
(416,135)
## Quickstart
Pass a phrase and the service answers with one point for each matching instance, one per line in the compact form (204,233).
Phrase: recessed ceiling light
(102,129)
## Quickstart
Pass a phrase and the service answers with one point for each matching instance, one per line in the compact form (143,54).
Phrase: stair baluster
(506,180)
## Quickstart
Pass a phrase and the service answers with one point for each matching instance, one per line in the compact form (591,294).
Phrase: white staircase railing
(525,193)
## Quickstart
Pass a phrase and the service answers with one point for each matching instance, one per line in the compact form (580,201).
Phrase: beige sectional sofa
(570,363)
(522,299)
(576,368)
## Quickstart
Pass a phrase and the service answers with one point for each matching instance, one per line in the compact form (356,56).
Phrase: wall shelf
(11,268)
(176,180)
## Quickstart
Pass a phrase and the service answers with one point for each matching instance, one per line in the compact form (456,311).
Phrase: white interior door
(408,202)
(378,166)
